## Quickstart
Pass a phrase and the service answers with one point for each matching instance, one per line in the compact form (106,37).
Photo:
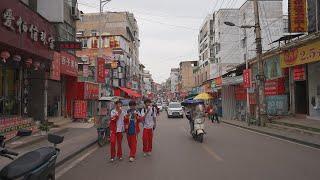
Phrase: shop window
(9,91)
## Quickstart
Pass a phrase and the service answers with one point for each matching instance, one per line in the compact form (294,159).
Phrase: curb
(313,145)
(36,140)
(67,158)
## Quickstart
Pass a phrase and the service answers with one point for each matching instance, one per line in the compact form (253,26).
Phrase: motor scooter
(34,165)
(197,127)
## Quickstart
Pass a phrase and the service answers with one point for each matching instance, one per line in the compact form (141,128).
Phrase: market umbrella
(203,96)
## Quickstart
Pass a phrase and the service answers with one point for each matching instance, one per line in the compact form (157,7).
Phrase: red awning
(130,92)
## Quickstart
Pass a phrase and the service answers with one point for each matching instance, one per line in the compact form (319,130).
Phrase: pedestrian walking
(149,125)
(210,112)
(116,129)
(132,120)
(215,113)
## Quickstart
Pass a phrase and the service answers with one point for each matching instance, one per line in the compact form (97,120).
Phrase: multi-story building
(119,45)
(174,79)
(186,78)
(147,82)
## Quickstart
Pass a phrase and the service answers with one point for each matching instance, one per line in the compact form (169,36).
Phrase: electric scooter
(35,165)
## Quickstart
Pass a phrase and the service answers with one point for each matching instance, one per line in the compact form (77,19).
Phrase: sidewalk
(300,123)
(302,138)
(77,137)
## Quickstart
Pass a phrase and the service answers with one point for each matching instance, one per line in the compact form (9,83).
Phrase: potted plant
(44,128)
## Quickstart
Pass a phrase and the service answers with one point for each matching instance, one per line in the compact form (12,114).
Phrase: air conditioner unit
(75,13)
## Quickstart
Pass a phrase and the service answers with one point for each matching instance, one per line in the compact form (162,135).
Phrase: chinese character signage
(68,64)
(299,73)
(91,91)
(297,15)
(247,78)
(274,87)
(302,55)
(68,45)
(22,28)
(19,25)
(100,70)
(55,67)
(80,109)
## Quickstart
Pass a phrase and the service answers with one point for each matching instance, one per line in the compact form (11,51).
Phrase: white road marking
(272,137)
(75,162)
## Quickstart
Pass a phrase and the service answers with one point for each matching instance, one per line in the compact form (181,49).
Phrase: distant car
(175,110)
(160,107)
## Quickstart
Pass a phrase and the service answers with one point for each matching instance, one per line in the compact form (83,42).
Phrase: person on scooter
(132,120)
(116,130)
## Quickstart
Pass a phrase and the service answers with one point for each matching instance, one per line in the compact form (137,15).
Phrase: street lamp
(260,84)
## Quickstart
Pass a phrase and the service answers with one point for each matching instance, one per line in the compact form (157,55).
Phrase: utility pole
(260,77)
(102,4)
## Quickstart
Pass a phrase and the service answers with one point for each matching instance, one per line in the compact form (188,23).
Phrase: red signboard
(299,73)
(69,64)
(91,91)
(297,15)
(240,93)
(26,30)
(68,45)
(80,109)
(274,87)
(55,67)
(247,78)
(100,70)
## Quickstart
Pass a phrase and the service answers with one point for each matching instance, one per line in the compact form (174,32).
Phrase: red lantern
(29,62)
(4,56)
(36,65)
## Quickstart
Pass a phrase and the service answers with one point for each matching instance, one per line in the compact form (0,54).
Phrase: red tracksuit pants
(147,140)
(116,139)
(132,143)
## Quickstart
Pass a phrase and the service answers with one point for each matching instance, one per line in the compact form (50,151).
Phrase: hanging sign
(100,70)
(247,78)
(55,67)
(297,16)
(299,73)
(69,64)
(68,45)
(80,109)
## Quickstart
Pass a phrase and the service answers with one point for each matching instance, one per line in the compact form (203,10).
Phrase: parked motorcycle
(35,165)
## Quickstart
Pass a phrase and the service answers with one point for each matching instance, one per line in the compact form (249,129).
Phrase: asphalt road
(226,153)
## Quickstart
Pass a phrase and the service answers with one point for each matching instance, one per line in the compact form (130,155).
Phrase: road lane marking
(272,137)
(75,162)
(211,152)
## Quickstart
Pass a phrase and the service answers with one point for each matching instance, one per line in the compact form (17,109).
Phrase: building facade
(186,78)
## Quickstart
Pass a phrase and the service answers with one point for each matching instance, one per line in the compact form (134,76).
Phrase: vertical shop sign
(55,67)
(80,109)
(247,78)
(297,16)
(100,70)
(299,73)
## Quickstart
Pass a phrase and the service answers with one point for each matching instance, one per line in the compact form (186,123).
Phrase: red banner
(91,91)
(100,70)
(69,64)
(55,67)
(297,15)
(80,109)
(240,93)
(274,87)
(299,73)
(247,78)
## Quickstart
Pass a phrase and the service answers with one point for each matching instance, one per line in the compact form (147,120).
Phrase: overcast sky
(168,28)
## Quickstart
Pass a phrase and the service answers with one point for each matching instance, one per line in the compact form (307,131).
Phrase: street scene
(171,89)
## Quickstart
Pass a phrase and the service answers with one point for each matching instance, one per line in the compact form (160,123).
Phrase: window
(84,43)
(94,33)
(94,43)
(80,33)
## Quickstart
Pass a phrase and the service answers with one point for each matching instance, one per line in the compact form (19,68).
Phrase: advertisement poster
(55,67)
(299,73)
(100,70)
(297,16)
(91,91)
(80,109)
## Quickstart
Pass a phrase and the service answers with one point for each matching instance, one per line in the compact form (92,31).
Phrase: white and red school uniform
(132,137)
(148,125)
(116,130)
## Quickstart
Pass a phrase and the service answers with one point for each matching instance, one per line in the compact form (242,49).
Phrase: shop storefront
(86,100)
(26,50)
(303,66)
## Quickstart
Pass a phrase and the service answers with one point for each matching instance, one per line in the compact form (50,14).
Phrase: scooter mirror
(55,139)
(24,132)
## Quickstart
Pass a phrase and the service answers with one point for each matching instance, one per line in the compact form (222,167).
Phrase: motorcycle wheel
(200,138)
(102,141)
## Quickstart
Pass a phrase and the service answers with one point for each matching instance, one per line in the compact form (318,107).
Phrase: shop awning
(130,92)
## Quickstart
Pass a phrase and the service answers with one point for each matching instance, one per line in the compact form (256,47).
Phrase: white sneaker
(120,159)
(111,160)
(144,154)
(131,159)
(149,153)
